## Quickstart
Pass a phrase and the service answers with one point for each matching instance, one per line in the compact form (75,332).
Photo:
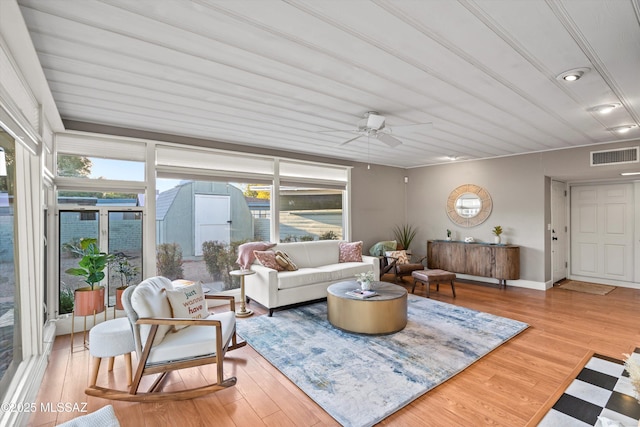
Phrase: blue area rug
(358,379)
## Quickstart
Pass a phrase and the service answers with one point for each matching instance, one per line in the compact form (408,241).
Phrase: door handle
(554,238)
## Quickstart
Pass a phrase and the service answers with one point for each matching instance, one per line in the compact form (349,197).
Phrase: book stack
(358,293)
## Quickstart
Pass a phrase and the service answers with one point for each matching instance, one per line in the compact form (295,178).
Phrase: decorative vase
(365,285)
(496,240)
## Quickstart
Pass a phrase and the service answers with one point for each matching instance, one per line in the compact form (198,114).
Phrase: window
(308,213)
(10,340)
(98,168)
(200,224)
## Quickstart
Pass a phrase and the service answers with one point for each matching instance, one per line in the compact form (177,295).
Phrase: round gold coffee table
(382,314)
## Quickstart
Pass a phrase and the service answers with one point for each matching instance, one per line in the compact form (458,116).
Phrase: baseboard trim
(529,284)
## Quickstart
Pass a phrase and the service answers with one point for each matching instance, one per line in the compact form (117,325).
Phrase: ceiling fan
(373,126)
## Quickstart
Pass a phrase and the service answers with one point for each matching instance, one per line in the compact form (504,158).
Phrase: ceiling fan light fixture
(623,129)
(572,75)
(606,108)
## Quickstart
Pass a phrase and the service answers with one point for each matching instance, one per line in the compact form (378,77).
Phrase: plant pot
(88,301)
(496,240)
(119,292)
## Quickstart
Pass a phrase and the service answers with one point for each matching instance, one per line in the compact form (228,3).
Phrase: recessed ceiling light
(623,129)
(629,173)
(573,75)
(453,158)
(605,108)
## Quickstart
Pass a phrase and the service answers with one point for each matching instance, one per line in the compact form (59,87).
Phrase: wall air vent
(615,157)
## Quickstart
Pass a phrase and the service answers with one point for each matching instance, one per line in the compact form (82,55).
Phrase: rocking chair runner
(161,351)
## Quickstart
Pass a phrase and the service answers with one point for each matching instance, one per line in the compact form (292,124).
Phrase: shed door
(212,220)
(602,231)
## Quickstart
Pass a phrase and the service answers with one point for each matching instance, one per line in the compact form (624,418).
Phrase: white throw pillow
(187,302)
(148,299)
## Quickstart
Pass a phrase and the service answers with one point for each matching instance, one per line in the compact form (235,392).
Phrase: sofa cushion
(311,254)
(350,252)
(149,299)
(346,270)
(268,259)
(187,302)
(302,277)
(193,341)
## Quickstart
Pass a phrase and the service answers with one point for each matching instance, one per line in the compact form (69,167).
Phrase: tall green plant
(405,234)
(92,264)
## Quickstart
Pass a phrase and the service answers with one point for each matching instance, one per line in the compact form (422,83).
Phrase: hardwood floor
(505,388)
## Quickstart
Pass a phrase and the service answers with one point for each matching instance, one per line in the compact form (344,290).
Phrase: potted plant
(89,299)
(126,273)
(448,234)
(497,231)
(404,235)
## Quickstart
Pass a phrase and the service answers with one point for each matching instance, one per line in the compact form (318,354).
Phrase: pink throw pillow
(350,252)
(245,252)
(268,259)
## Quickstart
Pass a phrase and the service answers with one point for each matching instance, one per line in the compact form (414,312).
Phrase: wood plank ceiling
(277,74)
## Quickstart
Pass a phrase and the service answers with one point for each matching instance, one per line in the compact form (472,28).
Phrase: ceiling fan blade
(375,121)
(388,139)
(352,139)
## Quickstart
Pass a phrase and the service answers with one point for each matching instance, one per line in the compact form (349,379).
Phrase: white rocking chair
(160,351)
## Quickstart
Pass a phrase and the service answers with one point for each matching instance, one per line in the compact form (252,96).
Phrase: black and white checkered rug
(601,389)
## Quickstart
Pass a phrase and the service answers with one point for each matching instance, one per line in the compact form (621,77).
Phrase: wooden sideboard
(501,262)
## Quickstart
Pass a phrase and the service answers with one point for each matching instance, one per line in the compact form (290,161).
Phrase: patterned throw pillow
(268,259)
(401,255)
(245,252)
(187,302)
(284,261)
(350,252)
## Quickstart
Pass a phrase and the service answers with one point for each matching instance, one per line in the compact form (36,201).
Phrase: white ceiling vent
(614,157)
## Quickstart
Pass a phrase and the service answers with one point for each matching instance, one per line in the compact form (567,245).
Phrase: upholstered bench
(427,277)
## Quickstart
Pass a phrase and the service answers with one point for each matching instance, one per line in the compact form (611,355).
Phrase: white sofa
(318,268)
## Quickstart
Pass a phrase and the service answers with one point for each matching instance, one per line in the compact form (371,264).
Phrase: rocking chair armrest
(230,298)
(178,321)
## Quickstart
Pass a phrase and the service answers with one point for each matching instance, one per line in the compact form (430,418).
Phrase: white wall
(519,188)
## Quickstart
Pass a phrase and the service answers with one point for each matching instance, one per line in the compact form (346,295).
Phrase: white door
(212,220)
(602,231)
(558,231)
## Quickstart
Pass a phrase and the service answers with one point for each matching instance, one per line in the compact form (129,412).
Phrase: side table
(242,312)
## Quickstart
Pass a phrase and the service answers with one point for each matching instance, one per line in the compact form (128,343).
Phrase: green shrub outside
(169,261)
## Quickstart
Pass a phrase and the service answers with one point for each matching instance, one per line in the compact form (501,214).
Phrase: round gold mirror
(469,205)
